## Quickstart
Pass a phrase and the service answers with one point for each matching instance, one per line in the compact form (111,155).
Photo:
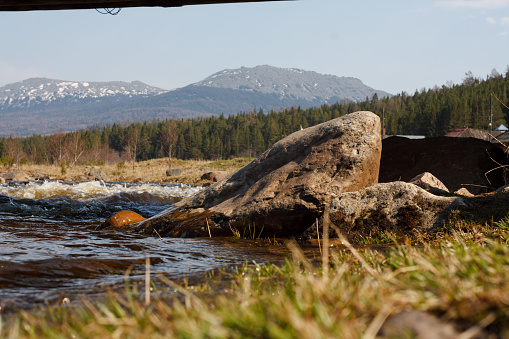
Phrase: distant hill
(43,106)
(291,84)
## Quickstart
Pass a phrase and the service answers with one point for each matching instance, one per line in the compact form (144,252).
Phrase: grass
(460,275)
(247,232)
(152,170)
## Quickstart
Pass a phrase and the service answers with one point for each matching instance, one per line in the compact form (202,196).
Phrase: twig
(208,227)
(318,235)
(476,185)
(147,279)
(499,165)
(377,323)
(325,256)
(500,142)
(158,234)
(355,253)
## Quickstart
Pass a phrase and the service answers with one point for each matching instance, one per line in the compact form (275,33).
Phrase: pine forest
(432,112)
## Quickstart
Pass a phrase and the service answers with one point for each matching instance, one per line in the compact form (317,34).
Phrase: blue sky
(395,46)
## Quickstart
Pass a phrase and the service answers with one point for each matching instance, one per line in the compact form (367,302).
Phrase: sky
(395,45)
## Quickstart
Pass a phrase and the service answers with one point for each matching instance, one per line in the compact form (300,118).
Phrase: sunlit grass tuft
(461,276)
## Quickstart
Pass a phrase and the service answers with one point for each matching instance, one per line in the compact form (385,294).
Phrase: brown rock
(285,189)
(464,192)
(215,176)
(430,183)
(2,180)
(123,218)
(398,207)
(15,176)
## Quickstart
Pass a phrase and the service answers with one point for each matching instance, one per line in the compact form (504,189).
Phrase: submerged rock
(284,190)
(398,207)
(122,218)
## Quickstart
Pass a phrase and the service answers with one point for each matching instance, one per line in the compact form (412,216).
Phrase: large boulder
(398,207)
(285,189)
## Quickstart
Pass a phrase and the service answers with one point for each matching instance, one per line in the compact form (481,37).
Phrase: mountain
(44,106)
(291,83)
(37,91)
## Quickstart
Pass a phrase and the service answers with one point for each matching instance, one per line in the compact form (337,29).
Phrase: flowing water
(50,250)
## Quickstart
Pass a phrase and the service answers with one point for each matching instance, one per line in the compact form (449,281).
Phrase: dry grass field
(145,171)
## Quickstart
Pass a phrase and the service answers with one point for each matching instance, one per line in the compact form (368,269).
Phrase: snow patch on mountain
(291,83)
(37,91)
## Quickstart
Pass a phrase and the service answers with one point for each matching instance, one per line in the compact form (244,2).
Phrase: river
(50,251)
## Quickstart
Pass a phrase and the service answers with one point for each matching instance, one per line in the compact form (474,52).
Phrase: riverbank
(451,284)
(144,171)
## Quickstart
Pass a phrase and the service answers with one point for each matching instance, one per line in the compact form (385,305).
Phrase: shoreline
(144,171)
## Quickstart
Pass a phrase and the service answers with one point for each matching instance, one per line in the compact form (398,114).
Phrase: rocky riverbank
(329,173)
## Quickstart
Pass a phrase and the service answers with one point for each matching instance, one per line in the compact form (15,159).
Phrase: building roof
(455,133)
(469,133)
(37,5)
(504,137)
(501,128)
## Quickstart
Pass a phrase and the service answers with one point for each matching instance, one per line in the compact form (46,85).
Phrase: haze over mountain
(44,106)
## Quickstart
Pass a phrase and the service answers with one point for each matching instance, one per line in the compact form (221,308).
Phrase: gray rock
(396,206)
(285,189)
(417,324)
(96,174)
(504,188)
(215,176)
(430,183)
(174,172)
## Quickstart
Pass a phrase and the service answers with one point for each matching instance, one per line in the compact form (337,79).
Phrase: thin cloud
(477,4)
(505,21)
(491,21)
(504,33)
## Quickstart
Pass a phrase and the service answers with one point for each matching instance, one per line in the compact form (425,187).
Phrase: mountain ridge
(290,83)
(71,105)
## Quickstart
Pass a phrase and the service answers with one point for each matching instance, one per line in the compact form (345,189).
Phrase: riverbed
(50,251)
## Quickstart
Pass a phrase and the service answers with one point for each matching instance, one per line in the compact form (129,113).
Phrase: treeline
(432,112)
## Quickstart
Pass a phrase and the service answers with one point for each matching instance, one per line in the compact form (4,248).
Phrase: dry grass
(461,277)
(146,171)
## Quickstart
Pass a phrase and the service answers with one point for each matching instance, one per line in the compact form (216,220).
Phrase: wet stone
(122,218)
